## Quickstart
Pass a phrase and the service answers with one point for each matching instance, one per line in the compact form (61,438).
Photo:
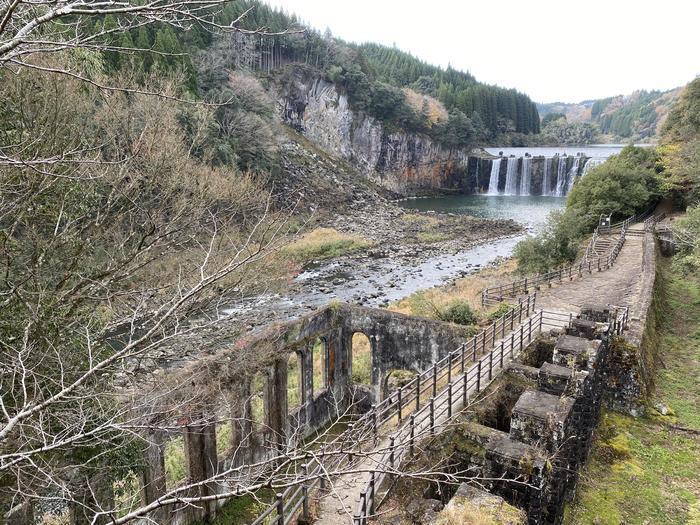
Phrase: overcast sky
(552,50)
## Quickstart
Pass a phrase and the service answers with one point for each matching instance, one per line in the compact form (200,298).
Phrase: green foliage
(458,312)
(680,150)
(557,244)
(559,131)
(623,185)
(551,117)
(500,311)
(500,110)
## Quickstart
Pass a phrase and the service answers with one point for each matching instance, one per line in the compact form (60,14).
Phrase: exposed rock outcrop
(405,163)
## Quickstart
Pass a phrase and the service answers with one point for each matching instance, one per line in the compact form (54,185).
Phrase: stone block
(553,379)
(580,352)
(540,418)
(599,313)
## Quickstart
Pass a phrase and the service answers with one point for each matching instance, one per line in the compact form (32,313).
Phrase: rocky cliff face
(404,163)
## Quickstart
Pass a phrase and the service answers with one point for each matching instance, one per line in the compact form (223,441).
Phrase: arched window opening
(294,382)
(361,365)
(257,401)
(395,379)
(318,362)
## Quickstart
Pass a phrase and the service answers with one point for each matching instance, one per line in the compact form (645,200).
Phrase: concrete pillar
(92,493)
(22,514)
(241,424)
(202,463)
(276,403)
(153,474)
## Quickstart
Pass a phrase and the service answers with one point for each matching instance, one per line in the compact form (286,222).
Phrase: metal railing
(456,395)
(497,294)
(404,402)
(589,262)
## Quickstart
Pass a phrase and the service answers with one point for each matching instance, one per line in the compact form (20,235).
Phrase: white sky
(552,50)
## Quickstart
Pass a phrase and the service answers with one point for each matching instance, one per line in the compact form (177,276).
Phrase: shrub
(458,312)
(503,309)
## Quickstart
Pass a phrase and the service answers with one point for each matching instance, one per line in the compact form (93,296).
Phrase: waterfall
(511,177)
(476,174)
(591,163)
(493,181)
(525,176)
(571,177)
(561,177)
(545,180)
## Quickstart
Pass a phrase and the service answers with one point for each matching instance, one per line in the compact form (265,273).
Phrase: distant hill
(636,116)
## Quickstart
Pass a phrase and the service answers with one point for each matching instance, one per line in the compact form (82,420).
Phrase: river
(375,282)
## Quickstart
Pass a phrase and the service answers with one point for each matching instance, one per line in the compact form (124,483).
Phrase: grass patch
(432,236)
(243,509)
(646,470)
(465,291)
(325,243)
(361,359)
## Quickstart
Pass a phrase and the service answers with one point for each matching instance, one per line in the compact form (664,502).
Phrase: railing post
(520,311)
(529,331)
(525,284)
(417,391)
(412,435)
(465,390)
(392,441)
(363,506)
(503,325)
(478,377)
(374,423)
(493,336)
(449,400)
(512,312)
(461,365)
(280,509)
(502,354)
(400,401)
(305,493)
(434,379)
(476,337)
(449,367)
(521,337)
(371,492)
(512,343)
(432,415)
(490,364)
(483,341)
(598,263)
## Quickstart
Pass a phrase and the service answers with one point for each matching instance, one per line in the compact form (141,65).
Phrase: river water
(531,211)
(375,282)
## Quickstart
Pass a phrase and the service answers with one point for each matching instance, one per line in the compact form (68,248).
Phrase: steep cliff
(407,164)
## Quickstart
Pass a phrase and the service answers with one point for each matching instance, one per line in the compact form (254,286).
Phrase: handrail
(496,294)
(471,381)
(410,396)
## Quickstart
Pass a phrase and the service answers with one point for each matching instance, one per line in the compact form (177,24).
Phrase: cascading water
(545,180)
(525,176)
(511,176)
(591,163)
(561,177)
(571,177)
(493,180)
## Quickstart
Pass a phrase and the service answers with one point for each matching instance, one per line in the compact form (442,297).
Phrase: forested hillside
(372,75)
(637,116)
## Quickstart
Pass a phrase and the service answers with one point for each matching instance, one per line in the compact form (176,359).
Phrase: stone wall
(630,378)
(222,384)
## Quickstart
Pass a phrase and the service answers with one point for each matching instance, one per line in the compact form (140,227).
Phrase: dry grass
(324,243)
(361,359)
(465,289)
